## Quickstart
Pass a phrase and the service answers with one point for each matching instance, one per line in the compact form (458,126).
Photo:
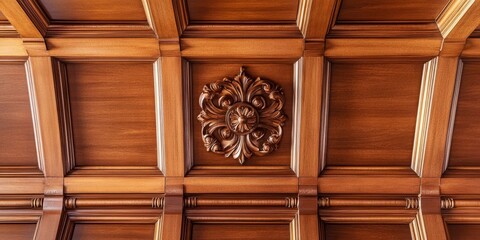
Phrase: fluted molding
(72,203)
(288,202)
(21,203)
(407,203)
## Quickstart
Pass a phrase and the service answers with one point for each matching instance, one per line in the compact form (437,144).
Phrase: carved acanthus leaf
(242,117)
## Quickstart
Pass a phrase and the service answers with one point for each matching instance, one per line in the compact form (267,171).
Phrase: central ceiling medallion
(242,117)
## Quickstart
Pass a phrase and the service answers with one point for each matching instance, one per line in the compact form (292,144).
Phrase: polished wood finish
(373,231)
(104,10)
(378,10)
(19,149)
(123,93)
(242,11)
(243,231)
(379,140)
(365,101)
(464,146)
(17,231)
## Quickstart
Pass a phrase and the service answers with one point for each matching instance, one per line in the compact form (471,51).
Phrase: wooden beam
(132,48)
(242,48)
(344,184)
(376,47)
(241,185)
(21,186)
(12,47)
(437,133)
(162,17)
(459,19)
(74,185)
(50,222)
(315,18)
(310,96)
(172,99)
(17,16)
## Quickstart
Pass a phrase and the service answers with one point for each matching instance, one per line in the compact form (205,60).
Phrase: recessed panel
(98,10)
(242,10)
(113,113)
(17,231)
(17,144)
(465,148)
(367,231)
(117,231)
(391,10)
(463,231)
(279,74)
(256,231)
(372,113)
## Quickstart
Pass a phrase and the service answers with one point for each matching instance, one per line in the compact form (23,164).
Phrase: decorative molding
(73,203)
(447,203)
(423,115)
(407,203)
(452,14)
(21,203)
(288,202)
(242,117)
(453,112)
(417,227)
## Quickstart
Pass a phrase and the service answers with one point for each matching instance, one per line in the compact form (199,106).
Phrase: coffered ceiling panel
(372,112)
(17,144)
(242,11)
(107,231)
(391,10)
(458,231)
(265,118)
(17,231)
(240,231)
(465,146)
(361,231)
(100,10)
(112,113)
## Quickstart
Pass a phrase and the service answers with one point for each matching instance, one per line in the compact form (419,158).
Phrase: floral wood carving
(242,117)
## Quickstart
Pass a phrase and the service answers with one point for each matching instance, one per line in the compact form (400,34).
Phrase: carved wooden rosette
(242,117)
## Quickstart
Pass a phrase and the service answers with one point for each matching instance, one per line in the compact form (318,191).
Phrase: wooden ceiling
(216,119)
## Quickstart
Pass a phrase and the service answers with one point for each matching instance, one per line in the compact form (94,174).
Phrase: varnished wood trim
(371,48)
(18,17)
(314,17)
(453,112)
(73,203)
(423,115)
(143,48)
(172,94)
(406,185)
(241,48)
(459,19)
(71,29)
(161,17)
(12,47)
(77,184)
(42,79)
(384,30)
(472,48)
(407,203)
(22,186)
(21,203)
(241,185)
(35,117)
(228,30)
(287,202)
(324,116)
(187,114)
(449,203)
(296,119)
(417,228)
(157,80)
